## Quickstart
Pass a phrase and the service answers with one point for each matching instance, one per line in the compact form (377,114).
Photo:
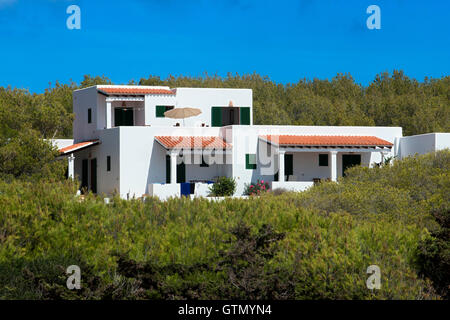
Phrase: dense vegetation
(315,244)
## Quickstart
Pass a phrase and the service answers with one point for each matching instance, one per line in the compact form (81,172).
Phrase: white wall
(442,141)
(108,181)
(153,100)
(61,143)
(292,186)
(84,99)
(423,143)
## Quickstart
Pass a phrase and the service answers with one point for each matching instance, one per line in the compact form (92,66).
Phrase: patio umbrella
(182,113)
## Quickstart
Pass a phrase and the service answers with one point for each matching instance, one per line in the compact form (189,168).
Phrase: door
(167,169)
(123,117)
(181,173)
(288,167)
(350,160)
(225,116)
(94,175)
(84,175)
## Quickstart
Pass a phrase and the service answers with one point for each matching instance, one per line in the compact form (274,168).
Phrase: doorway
(350,160)
(94,175)
(181,173)
(123,117)
(84,175)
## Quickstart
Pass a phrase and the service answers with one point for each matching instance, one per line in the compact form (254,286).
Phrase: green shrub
(223,187)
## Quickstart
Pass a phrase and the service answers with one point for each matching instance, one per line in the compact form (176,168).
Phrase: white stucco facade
(121,133)
(423,143)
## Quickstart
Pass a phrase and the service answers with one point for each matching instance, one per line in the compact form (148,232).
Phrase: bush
(279,191)
(28,156)
(223,187)
(434,254)
(311,245)
(257,188)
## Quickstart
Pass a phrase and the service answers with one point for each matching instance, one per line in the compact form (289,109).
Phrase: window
(323,160)
(250,161)
(161,109)
(225,116)
(108,163)
(89,115)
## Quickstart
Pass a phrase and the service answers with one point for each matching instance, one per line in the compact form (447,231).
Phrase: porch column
(333,166)
(108,115)
(71,160)
(281,165)
(173,167)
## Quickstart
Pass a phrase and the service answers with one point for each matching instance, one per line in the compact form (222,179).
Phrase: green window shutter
(216,116)
(250,161)
(288,164)
(167,169)
(160,111)
(245,115)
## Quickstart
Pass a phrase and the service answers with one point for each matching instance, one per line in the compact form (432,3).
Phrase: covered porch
(124,107)
(302,161)
(191,165)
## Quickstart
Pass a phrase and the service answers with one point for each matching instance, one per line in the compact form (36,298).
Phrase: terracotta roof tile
(140,91)
(201,142)
(285,140)
(77,146)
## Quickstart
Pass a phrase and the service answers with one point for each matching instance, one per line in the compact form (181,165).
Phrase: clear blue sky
(286,40)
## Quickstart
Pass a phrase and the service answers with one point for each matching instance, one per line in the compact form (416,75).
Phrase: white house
(124,143)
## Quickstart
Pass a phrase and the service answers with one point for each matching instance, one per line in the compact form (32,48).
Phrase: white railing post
(333,166)
(108,114)
(281,165)
(173,167)
(71,160)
